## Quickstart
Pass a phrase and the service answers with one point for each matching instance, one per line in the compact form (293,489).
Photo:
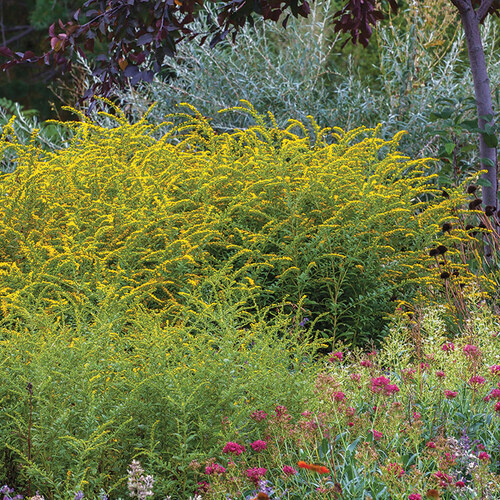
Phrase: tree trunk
(482,90)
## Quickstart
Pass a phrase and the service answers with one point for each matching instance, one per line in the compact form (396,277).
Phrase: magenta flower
(258,415)
(382,384)
(288,470)
(395,469)
(259,445)
(495,394)
(376,435)
(497,406)
(214,469)
(444,478)
(431,444)
(350,411)
(355,377)
(281,411)
(471,350)
(484,456)
(495,369)
(476,380)
(460,484)
(448,347)
(440,374)
(450,394)
(255,474)
(234,448)
(339,396)
(415,496)
(366,363)
(336,356)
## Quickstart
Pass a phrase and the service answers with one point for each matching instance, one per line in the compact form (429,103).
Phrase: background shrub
(127,216)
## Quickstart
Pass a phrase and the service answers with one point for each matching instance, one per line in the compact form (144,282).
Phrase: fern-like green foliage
(140,214)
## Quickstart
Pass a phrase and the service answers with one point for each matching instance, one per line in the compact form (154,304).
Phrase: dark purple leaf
(144,39)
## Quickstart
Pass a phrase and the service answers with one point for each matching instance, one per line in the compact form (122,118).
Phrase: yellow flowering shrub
(139,214)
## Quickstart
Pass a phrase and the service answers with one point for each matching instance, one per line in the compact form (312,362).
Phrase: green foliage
(159,393)
(141,214)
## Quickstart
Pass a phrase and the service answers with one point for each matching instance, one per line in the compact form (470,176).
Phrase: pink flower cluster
(234,448)
(339,396)
(366,363)
(259,445)
(415,496)
(288,470)
(256,474)
(484,456)
(214,469)
(448,347)
(444,479)
(258,415)
(450,394)
(336,356)
(376,435)
(383,384)
(395,469)
(495,369)
(476,381)
(471,351)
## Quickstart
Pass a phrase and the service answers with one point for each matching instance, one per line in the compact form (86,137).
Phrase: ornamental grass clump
(139,214)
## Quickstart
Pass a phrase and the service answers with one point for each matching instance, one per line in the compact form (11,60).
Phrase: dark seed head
(489,210)
(455,273)
(446,227)
(481,225)
(445,194)
(472,189)
(433,252)
(441,249)
(444,275)
(468,227)
(474,204)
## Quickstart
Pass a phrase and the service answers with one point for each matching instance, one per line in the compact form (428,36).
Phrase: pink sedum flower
(471,350)
(448,347)
(415,496)
(495,370)
(460,484)
(336,356)
(258,415)
(484,456)
(450,394)
(289,471)
(233,448)
(339,396)
(255,474)
(376,435)
(476,380)
(259,445)
(214,469)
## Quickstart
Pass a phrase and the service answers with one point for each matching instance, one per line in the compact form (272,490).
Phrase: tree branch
(483,9)
(20,35)
(461,5)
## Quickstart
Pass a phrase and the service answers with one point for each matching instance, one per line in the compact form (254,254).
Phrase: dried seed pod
(433,252)
(489,210)
(444,275)
(472,189)
(441,249)
(446,227)
(474,204)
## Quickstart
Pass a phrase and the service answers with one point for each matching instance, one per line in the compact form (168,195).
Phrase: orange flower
(261,496)
(320,469)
